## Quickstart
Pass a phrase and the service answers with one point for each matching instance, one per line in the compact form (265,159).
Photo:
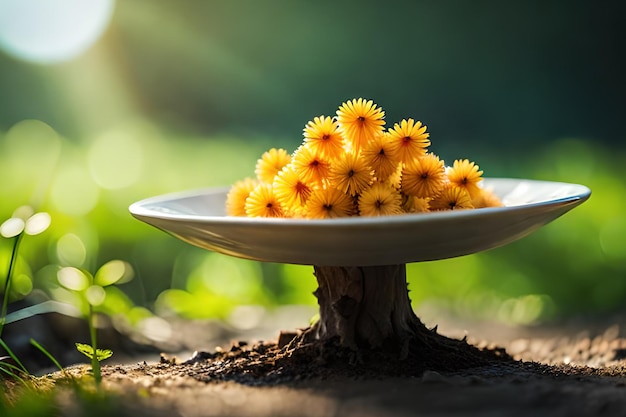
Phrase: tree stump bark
(365,307)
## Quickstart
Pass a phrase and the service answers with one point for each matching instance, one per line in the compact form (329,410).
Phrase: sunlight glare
(52,31)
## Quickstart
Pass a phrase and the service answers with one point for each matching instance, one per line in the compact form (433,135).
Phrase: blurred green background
(106,104)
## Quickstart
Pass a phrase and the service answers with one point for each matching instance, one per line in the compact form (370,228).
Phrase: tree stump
(367,309)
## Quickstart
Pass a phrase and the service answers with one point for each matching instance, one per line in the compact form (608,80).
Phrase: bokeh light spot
(73,278)
(12,227)
(233,278)
(155,328)
(22,284)
(246,317)
(37,223)
(95,295)
(112,272)
(23,212)
(523,310)
(52,31)
(612,238)
(71,250)
(115,160)
(73,192)
(30,139)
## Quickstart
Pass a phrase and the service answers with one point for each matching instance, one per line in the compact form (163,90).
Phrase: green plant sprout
(91,294)
(87,350)
(23,221)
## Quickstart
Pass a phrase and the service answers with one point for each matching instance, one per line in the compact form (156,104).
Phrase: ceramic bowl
(198,217)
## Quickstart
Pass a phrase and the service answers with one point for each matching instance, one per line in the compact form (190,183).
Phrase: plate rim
(138,209)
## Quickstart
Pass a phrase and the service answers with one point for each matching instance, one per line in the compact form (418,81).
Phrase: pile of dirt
(290,359)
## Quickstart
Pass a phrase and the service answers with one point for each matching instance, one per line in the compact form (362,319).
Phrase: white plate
(198,217)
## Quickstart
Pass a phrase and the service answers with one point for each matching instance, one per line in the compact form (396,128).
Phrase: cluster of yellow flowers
(350,165)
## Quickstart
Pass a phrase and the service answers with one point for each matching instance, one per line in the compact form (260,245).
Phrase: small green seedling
(87,350)
(91,294)
(101,354)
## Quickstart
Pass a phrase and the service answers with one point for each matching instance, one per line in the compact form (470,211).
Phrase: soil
(565,369)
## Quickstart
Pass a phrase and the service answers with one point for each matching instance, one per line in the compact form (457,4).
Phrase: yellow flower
(452,198)
(350,174)
(311,167)
(380,200)
(349,165)
(423,177)
(395,179)
(465,174)
(412,204)
(328,203)
(263,203)
(409,140)
(377,153)
(270,163)
(236,197)
(360,121)
(291,192)
(322,136)
(486,198)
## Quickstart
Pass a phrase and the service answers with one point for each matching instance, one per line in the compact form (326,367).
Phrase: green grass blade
(12,355)
(45,352)
(9,369)
(8,365)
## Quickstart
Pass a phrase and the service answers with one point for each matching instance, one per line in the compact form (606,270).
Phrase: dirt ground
(572,368)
